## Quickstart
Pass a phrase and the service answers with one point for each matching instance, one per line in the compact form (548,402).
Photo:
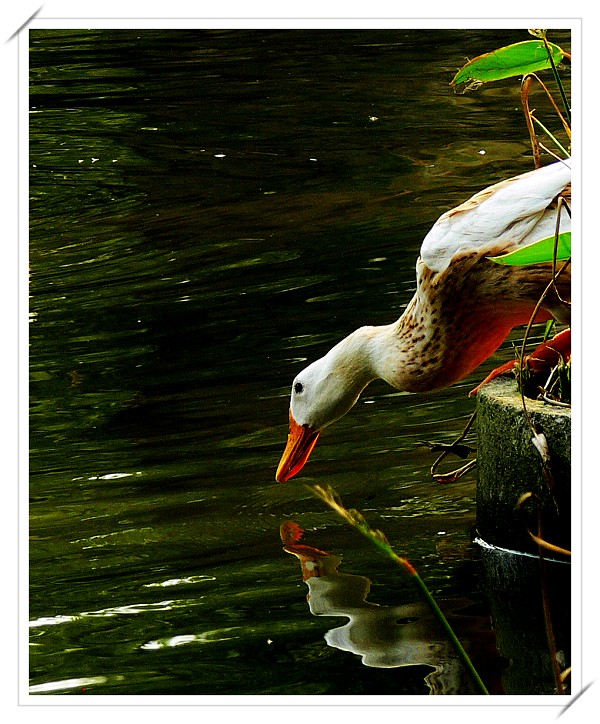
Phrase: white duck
(463,309)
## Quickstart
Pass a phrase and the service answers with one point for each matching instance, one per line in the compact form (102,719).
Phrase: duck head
(321,394)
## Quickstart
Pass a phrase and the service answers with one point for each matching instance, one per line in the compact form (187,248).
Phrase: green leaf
(528,56)
(538,253)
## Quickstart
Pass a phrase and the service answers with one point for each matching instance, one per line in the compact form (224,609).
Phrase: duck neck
(423,351)
(388,355)
(407,354)
(410,354)
(371,353)
(354,359)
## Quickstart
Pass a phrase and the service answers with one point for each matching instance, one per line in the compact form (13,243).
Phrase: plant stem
(558,80)
(462,654)
(550,135)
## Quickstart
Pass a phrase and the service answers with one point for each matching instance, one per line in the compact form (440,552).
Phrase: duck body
(463,309)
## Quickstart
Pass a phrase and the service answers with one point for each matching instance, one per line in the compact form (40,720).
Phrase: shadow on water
(209,211)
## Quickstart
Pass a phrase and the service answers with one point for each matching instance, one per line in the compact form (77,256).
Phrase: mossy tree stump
(509,466)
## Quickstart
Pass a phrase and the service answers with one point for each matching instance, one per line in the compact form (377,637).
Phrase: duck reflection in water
(392,636)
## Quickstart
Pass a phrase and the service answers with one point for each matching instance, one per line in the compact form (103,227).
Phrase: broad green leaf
(538,253)
(528,56)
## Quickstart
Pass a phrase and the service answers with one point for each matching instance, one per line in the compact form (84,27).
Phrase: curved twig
(455,474)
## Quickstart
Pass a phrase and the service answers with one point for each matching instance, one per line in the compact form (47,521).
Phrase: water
(210,211)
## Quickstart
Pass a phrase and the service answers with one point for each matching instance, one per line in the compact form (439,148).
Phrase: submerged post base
(513,586)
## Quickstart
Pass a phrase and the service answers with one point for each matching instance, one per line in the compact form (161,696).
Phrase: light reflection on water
(188,256)
(80,684)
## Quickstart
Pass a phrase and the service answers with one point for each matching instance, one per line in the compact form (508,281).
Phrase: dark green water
(210,211)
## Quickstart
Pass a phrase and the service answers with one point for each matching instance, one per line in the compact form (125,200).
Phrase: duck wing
(514,212)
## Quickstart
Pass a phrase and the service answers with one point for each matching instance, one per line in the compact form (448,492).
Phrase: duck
(464,307)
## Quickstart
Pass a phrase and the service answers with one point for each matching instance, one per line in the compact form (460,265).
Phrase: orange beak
(300,443)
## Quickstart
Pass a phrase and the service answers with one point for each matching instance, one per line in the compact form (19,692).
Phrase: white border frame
(316,15)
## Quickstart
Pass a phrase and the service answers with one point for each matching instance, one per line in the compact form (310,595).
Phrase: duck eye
(298,388)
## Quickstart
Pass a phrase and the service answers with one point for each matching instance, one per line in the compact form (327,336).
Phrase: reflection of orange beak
(300,444)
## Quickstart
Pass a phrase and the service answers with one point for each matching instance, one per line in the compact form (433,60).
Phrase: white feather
(507,212)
